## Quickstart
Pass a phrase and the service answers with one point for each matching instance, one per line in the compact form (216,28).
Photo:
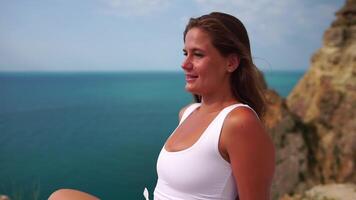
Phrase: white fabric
(198,172)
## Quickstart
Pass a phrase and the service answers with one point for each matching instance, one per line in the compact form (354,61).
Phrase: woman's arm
(251,153)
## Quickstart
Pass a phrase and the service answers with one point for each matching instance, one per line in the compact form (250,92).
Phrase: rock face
(314,129)
(327,192)
(287,132)
(325,98)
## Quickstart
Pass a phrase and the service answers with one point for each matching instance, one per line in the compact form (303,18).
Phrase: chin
(191,89)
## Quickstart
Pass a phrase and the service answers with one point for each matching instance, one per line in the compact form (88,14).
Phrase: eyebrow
(194,49)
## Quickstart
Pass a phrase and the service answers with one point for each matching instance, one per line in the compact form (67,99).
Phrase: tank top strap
(188,111)
(214,138)
(228,109)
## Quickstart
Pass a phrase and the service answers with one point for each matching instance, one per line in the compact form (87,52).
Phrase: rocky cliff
(288,132)
(326,192)
(314,129)
(326,98)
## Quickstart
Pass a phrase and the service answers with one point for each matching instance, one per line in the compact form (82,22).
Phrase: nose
(187,64)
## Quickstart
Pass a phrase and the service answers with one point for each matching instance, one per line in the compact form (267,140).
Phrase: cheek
(211,72)
(208,79)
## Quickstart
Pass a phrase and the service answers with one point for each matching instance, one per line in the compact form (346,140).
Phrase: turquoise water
(96,132)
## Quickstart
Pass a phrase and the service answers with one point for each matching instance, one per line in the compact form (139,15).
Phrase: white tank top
(198,172)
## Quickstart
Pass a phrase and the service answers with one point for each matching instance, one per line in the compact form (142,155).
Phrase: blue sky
(132,35)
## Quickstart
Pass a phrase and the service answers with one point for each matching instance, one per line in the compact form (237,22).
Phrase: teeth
(189,76)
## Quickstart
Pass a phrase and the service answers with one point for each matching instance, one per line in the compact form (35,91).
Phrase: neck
(217,101)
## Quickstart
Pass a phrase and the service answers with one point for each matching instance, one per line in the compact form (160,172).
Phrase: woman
(220,149)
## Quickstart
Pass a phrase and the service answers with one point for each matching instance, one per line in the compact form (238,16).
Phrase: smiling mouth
(189,77)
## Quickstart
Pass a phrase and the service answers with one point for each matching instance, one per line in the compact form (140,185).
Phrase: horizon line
(125,71)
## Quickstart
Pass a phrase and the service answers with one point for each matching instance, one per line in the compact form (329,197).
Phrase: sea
(98,132)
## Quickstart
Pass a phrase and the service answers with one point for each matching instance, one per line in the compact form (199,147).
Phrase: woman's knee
(70,194)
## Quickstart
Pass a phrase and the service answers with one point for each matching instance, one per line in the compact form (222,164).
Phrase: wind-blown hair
(229,36)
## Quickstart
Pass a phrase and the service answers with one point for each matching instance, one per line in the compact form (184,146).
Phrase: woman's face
(205,68)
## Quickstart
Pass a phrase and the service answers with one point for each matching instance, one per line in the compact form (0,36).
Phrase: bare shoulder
(242,116)
(243,132)
(251,153)
(182,111)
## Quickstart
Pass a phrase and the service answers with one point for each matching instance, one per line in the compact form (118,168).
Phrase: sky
(147,35)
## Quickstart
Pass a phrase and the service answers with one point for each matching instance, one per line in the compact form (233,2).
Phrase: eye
(197,54)
(185,52)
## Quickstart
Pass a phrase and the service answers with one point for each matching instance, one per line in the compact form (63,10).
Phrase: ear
(233,62)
